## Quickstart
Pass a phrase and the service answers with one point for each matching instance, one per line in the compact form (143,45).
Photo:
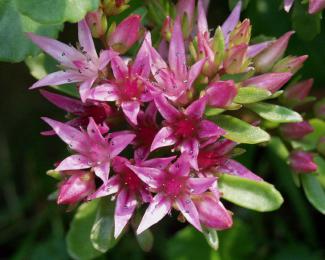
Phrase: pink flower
(76,187)
(129,189)
(221,93)
(302,162)
(125,34)
(185,9)
(296,130)
(174,186)
(173,81)
(97,23)
(316,6)
(215,158)
(129,88)
(81,65)
(298,91)
(92,149)
(185,129)
(99,111)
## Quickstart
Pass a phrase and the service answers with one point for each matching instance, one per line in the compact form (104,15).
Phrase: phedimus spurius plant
(157,112)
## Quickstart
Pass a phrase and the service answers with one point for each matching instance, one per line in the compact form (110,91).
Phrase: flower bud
(265,60)
(298,91)
(125,34)
(319,109)
(78,186)
(269,81)
(236,60)
(296,130)
(114,7)
(290,64)
(302,162)
(241,34)
(221,94)
(167,29)
(315,6)
(185,9)
(97,23)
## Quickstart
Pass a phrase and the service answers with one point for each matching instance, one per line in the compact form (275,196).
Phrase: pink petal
(302,162)
(105,92)
(70,135)
(120,69)
(150,113)
(84,88)
(141,65)
(158,163)
(119,142)
(59,51)
(74,162)
(200,185)
(256,49)
(188,209)
(208,129)
(176,55)
(233,167)
(287,5)
(221,93)
(102,171)
(131,110)
(58,78)
(315,6)
(149,175)
(86,40)
(196,109)
(125,206)
(68,104)
(181,167)
(94,132)
(158,208)
(212,213)
(194,72)
(202,19)
(104,58)
(231,22)
(191,147)
(299,91)
(163,138)
(167,111)
(112,186)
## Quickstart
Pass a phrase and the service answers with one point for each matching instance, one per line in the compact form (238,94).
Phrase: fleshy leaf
(275,113)
(248,95)
(211,236)
(256,195)
(102,232)
(314,191)
(78,237)
(240,131)
(145,240)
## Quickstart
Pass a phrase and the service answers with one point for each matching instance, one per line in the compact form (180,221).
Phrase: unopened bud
(185,9)
(236,60)
(97,23)
(290,64)
(167,29)
(241,34)
(316,6)
(296,130)
(298,91)
(221,94)
(114,7)
(319,109)
(302,162)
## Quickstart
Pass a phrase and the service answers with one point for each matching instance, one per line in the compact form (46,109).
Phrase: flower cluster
(140,132)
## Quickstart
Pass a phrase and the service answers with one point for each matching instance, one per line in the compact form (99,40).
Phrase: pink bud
(302,162)
(315,6)
(125,34)
(290,64)
(241,34)
(185,9)
(236,61)
(78,186)
(265,60)
(298,91)
(97,23)
(296,130)
(269,81)
(114,7)
(167,29)
(319,109)
(221,94)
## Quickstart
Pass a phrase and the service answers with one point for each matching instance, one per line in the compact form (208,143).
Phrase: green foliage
(275,113)
(248,95)
(240,131)
(314,191)
(256,195)
(145,240)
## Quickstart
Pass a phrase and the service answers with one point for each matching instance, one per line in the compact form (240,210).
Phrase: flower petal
(85,87)
(112,186)
(102,171)
(200,185)
(158,208)
(120,69)
(158,163)
(94,132)
(105,92)
(256,49)
(188,209)
(163,138)
(167,111)
(86,40)
(104,58)
(191,147)
(131,110)
(209,129)
(141,65)
(287,5)
(229,25)
(196,109)
(74,162)
(125,206)
(194,72)
(149,175)
(118,143)
(202,18)
(181,167)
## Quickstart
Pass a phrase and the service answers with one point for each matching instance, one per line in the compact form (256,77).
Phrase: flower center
(208,159)
(130,89)
(130,179)
(185,128)
(173,186)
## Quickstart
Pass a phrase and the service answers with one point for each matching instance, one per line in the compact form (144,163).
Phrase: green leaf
(211,111)
(211,236)
(102,232)
(275,113)
(145,240)
(314,192)
(251,94)
(56,11)
(306,25)
(256,195)
(310,141)
(238,77)
(14,45)
(78,237)
(320,169)
(240,131)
